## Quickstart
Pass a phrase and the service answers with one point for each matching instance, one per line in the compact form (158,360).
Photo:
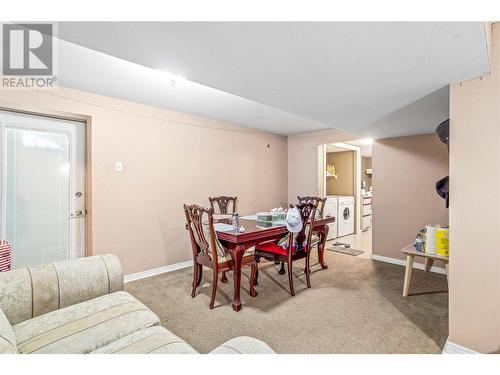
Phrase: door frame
(357,178)
(86,121)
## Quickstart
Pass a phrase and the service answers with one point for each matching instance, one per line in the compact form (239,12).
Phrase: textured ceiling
(376,79)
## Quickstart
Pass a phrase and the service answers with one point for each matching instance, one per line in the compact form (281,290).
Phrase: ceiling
(364,149)
(110,76)
(372,79)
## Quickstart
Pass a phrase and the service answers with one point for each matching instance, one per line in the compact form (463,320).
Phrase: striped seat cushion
(153,340)
(227,257)
(221,250)
(84,327)
(223,255)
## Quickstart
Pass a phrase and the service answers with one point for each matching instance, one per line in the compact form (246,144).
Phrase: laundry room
(347,185)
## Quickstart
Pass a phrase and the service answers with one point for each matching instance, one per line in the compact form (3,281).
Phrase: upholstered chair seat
(293,246)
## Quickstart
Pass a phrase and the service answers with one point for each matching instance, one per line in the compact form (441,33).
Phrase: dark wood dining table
(255,232)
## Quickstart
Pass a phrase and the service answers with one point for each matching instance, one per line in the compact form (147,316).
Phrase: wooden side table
(411,253)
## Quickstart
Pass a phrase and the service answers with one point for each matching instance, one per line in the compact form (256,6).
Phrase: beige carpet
(355,306)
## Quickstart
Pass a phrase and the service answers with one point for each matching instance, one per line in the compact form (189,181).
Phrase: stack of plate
(271,216)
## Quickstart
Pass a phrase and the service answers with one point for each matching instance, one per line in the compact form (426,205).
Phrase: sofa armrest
(8,343)
(243,345)
(32,291)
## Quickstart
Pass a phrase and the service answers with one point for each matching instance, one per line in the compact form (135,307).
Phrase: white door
(43,188)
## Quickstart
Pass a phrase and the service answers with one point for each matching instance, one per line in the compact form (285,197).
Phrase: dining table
(254,233)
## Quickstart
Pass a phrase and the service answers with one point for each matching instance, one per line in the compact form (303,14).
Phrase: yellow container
(442,242)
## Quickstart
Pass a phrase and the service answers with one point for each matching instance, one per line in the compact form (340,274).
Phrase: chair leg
(254,270)
(214,288)
(256,277)
(308,269)
(200,274)
(195,278)
(282,269)
(290,278)
(223,279)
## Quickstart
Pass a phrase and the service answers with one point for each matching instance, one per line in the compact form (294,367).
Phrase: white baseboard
(157,271)
(452,348)
(401,262)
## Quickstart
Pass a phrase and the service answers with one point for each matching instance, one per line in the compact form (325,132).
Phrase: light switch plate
(118,166)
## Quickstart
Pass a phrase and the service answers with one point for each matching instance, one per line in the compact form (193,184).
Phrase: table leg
(408,271)
(428,264)
(321,249)
(236,253)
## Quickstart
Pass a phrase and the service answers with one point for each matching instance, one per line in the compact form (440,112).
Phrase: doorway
(345,181)
(43,196)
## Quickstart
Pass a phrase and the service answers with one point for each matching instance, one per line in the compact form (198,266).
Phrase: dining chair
(292,247)
(320,202)
(225,204)
(208,251)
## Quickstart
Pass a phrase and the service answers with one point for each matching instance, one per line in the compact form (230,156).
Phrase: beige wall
(475,209)
(168,159)
(405,199)
(344,168)
(303,156)
(366,163)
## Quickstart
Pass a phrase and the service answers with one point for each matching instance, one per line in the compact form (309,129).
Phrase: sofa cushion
(26,293)
(7,336)
(153,340)
(15,295)
(243,345)
(84,327)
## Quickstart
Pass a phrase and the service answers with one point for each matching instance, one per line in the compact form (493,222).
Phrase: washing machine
(345,216)
(331,210)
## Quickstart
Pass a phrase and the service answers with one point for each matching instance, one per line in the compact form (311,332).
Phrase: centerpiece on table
(276,214)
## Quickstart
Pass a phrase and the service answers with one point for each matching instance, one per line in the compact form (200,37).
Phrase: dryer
(345,216)
(331,210)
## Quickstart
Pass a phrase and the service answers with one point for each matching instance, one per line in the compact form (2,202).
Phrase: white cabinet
(366,213)
(367,209)
(367,222)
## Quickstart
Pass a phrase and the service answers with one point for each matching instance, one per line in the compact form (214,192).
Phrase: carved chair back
(225,204)
(200,222)
(307,214)
(320,202)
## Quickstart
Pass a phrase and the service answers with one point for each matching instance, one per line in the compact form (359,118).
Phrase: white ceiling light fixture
(366,141)
(177,79)
(173,79)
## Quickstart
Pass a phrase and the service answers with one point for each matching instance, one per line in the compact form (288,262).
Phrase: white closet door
(43,181)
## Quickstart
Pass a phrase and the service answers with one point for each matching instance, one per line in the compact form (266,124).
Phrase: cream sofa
(79,306)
